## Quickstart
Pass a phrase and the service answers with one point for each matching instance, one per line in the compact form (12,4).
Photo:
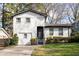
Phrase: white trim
(5,33)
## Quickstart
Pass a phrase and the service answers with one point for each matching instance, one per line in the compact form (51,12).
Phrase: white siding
(65,32)
(36,20)
(46,32)
(23,27)
(56,32)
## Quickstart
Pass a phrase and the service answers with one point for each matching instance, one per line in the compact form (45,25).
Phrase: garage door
(24,38)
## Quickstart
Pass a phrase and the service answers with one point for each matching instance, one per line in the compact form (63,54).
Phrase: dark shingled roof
(58,25)
(34,11)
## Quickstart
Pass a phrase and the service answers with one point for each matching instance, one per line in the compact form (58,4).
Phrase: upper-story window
(18,20)
(60,31)
(51,31)
(28,20)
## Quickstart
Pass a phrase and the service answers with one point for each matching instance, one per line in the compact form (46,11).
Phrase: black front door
(40,35)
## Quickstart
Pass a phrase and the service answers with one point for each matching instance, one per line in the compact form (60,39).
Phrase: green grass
(64,49)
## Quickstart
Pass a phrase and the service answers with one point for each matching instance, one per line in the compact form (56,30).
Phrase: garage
(24,38)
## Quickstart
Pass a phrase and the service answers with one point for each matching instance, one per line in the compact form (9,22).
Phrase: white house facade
(32,24)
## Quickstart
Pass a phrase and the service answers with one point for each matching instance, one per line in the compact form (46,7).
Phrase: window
(60,31)
(25,35)
(28,20)
(18,20)
(50,31)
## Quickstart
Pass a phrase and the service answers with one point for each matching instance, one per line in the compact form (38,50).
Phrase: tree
(9,10)
(56,8)
(75,10)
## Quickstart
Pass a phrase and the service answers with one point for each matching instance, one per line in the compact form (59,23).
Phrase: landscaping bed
(57,49)
(57,40)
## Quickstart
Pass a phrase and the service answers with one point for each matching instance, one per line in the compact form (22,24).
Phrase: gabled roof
(34,11)
(58,25)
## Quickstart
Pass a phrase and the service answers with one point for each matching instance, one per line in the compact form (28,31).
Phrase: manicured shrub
(56,39)
(33,41)
(49,40)
(61,39)
(74,37)
(14,40)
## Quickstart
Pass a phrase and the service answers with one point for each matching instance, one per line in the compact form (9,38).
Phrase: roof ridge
(31,10)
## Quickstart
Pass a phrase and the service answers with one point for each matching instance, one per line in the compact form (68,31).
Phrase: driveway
(17,51)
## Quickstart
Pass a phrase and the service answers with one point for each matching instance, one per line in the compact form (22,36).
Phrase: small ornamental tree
(74,37)
(14,40)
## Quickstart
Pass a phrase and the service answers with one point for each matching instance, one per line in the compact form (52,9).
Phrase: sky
(0,5)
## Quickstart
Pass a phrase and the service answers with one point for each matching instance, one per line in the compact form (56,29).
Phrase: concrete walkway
(17,51)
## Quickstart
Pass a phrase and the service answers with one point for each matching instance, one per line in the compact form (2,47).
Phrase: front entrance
(40,35)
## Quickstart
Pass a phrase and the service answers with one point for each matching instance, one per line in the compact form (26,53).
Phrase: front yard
(57,49)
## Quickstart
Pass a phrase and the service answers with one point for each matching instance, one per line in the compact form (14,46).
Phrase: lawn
(57,49)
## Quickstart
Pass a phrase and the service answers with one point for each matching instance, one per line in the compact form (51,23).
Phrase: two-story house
(31,23)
